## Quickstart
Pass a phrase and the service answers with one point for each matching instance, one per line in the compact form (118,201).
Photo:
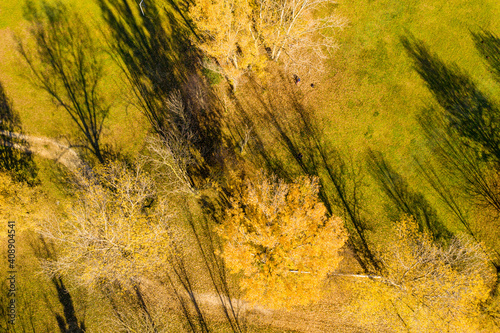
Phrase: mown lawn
(125,127)
(371,95)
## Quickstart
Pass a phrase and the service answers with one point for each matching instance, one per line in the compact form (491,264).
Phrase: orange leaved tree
(280,237)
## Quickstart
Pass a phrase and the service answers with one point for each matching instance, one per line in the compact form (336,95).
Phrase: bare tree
(292,31)
(171,153)
(65,62)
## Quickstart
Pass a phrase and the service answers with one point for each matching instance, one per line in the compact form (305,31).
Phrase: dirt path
(326,316)
(49,149)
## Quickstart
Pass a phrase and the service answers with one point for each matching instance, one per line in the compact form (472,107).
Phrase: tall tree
(280,237)
(65,62)
(242,34)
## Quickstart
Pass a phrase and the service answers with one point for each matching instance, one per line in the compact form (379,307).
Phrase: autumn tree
(242,34)
(116,230)
(225,27)
(65,61)
(281,239)
(427,286)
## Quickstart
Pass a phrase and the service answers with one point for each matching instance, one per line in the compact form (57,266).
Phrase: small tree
(279,236)
(65,62)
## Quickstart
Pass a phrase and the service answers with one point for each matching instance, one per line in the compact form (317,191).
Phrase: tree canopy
(280,237)
(242,34)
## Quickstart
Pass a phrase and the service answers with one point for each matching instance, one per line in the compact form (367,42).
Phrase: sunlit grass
(125,128)
(371,95)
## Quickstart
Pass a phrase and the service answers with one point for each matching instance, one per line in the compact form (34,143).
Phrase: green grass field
(372,94)
(125,128)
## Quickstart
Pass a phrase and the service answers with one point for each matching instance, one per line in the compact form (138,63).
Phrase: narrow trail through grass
(50,149)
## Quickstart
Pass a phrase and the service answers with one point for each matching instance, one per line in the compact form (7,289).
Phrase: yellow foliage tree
(227,35)
(279,236)
(429,287)
(243,34)
(116,230)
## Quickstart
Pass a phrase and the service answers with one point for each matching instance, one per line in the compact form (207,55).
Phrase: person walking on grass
(296,79)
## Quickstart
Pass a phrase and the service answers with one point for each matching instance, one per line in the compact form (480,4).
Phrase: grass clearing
(125,128)
(371,94)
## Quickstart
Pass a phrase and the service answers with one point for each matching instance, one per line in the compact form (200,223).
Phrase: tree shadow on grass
(406,200)
(288,142)
(68,321)
(468,111)
(163,69)
(15,155)
(488,45)
(66,62)
(463,134)
(209,247)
